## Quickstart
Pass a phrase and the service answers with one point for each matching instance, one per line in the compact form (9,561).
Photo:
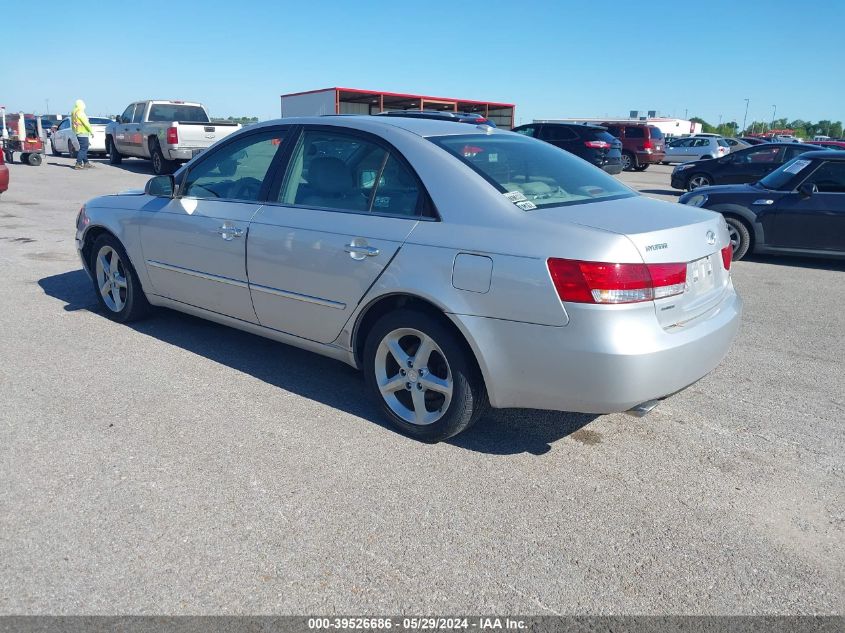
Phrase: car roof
(585,126)
(421,126)
(827,154)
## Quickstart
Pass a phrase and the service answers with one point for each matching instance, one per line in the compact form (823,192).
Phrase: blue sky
(552,59)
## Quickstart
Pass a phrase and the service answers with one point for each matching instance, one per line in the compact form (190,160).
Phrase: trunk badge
(711,237)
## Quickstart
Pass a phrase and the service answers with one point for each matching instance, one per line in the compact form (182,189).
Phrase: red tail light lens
(172,136)
(597,144)
(605,282)
(727,256)
(647,145)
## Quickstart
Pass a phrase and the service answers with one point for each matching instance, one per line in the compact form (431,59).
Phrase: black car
(754,140)
(745,165)
(445,115)
(797,209)
(593,143)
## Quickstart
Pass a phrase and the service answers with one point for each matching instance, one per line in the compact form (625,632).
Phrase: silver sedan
(458,266)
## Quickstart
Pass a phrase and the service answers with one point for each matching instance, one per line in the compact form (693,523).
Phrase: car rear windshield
(722,142)
(533,171)
(656,134)
(172,112)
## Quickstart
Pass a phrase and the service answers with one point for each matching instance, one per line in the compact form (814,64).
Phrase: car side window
(792,152)
(343,172)
(764,155)
(634,131)
(64,124)
(235,171)
(126,117)
(614,130)
(558,133)
(138,117)
(829,178)
(528,130)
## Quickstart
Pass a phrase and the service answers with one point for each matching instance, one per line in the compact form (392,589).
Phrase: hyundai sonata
(458,266)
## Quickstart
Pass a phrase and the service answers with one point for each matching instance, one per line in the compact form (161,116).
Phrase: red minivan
(642,144)
(4,174)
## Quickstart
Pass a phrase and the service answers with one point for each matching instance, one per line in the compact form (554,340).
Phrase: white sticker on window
(797,166)
(515,196)
(492,158)
(526,205)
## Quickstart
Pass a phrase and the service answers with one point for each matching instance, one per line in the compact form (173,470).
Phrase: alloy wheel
(413,376)
(698,181)
(111,279)
(734,237)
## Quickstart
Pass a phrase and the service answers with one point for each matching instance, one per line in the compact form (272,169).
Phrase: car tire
(120,295)
(740,236)
(24,158)
(33,159)
(9,156)
(628,161)
(445,397)
(641,167)
(706,157)
(698,180)
(114,156)
(53,147)
(161,165)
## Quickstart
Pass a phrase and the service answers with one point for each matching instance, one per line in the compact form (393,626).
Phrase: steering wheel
(246,189)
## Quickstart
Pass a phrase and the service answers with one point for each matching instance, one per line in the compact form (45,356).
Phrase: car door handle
(228,233)
(357,251)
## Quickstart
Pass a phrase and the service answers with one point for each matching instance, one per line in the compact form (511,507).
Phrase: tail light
(597,144)
(172,136)
(481,119)
(647,145)
(604,282)
(727,256)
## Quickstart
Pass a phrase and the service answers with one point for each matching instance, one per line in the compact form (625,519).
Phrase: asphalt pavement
(175,466)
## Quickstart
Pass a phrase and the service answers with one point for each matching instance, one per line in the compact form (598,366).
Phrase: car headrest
(330,175)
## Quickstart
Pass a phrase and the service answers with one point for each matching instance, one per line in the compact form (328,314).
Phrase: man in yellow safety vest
(82,129)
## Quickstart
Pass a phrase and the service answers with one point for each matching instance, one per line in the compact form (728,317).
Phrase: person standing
(83,131)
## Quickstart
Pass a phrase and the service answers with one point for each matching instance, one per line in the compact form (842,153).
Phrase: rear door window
(558,133)
(614,130)
(138,117)
(634,131)
(528,130)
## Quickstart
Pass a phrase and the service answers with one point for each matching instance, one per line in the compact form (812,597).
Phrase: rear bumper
(607,359)
(4,178)
(650,157)
(173,153)
(613,168)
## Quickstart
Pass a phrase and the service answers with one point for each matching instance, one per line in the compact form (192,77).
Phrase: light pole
(746,116)
(774,110)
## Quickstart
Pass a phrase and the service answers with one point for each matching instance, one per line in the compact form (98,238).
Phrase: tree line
(802,129)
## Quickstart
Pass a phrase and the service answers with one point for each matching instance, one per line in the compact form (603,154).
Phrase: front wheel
(423,376)
(740,237)
(641,167)
(699,180)
(33,159)
(116,283)
(114,156)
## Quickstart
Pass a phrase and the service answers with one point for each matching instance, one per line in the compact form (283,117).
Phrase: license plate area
(701,276)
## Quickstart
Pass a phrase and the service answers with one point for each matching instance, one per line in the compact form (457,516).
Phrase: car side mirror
(161,186)
(806,190)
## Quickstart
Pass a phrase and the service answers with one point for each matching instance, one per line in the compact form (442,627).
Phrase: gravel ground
(181,467)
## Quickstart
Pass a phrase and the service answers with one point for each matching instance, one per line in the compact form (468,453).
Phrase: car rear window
(655,132)
(722,142)
(533,173)
(172,112)
(98,121)
(635,131)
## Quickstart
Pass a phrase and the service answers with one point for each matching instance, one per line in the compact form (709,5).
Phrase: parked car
(754,140)
(642,145)
(64,141)
(735,144)
(840,145)
(4,174)
(797,209)
(746,165)
(590,142)
(455,265)
(166,132)
(445,115)
(683,150)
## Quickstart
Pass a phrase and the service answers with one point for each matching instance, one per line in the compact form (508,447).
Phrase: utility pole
(686,114)
(48,106)
(720,120)
(746,116)
(774,110)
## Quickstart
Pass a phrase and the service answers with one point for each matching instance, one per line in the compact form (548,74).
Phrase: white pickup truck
(165,132)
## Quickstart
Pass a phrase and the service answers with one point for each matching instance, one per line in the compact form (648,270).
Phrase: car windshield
(532,171)
(171,112)
(784,174)
(98,121)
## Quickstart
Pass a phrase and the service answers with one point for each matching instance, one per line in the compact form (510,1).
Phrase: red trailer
(25,136)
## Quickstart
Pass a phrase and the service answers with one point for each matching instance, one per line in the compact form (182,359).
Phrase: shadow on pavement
(800,262)
(500,432)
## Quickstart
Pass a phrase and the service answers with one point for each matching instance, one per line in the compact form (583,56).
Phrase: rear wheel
(641,167)
(628,161)
(53,147)
(160,164)
(740,236)
(116,284)
(699,180)
(114,156)
(423,376)
(33,159)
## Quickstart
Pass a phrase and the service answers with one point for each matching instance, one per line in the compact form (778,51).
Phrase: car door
(345,207)
(61,139)
(194,245)
(676,150)
(750,165)
(134,139)
(816,221)
(121,130)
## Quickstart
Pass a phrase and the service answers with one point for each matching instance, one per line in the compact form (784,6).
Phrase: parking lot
(181,467)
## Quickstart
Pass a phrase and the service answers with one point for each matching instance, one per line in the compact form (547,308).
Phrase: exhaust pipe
(643,408)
